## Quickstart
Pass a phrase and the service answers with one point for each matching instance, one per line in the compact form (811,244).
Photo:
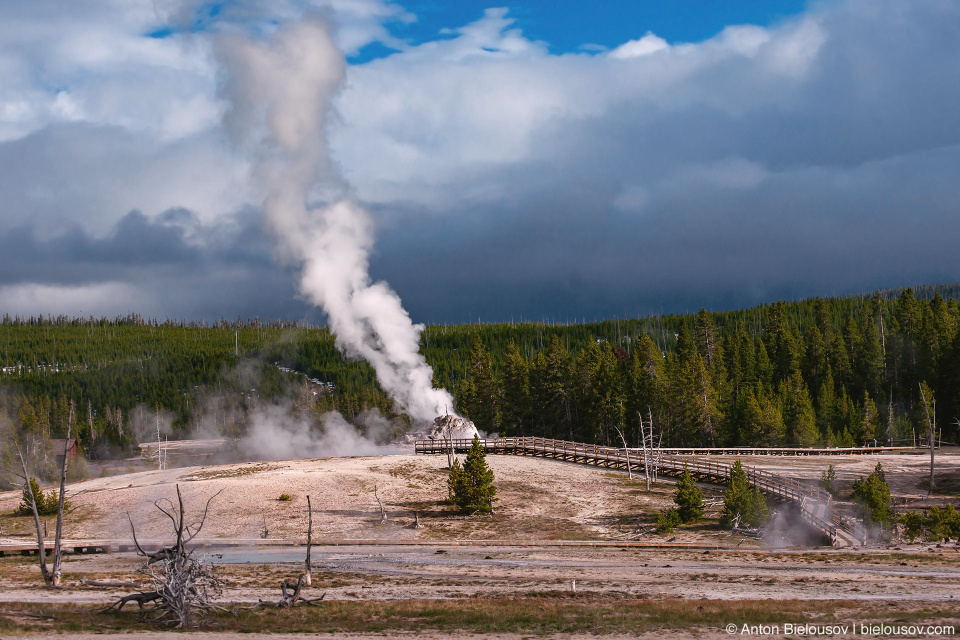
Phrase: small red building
(72,448)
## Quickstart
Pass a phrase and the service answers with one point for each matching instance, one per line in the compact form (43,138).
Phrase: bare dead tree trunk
(627,452)
(290,596)
(41,549)
(306,571)
(57,576)
(655,452)
(646,459)
(930,437)
(657,458)
(383,512)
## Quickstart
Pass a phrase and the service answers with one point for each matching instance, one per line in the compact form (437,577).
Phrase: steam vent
(452,427)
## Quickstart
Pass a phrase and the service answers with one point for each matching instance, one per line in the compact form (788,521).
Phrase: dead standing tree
(383,512)
(650,444)
(51,577)
(290,592)
(183,585)
(931,433)
(307,577)
(626,451)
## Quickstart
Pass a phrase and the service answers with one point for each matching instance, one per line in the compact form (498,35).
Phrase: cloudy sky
(553,160)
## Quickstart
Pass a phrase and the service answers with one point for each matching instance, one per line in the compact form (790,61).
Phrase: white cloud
(650,43)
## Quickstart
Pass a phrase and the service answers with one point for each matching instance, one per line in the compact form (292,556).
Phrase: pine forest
(818,372)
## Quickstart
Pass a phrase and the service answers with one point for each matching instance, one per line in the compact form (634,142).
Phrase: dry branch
(108,583)
(290,596)
(306,572)
(183,586)
(383,512)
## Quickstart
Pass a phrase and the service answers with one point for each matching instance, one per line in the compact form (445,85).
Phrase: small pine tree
(757,510)
(942,524)
(873,496)
(689,498)
(456,481)
(668,520)
(912,525)
(827,478)
(736,498)
(47,503)
(740,499)
(934,524)
(471,488)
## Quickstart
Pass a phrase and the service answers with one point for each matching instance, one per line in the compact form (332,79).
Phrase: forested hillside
(838,371)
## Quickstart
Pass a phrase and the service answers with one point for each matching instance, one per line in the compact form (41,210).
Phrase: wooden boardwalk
(815,504)
(784,451)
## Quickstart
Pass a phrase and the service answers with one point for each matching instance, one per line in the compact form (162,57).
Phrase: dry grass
(231,472)
(547,612)
(539,613)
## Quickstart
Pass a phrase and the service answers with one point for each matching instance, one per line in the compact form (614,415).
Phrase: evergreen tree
(686,346)
(456,482)
(870,421)
(815,361)
(644,393)
(472,488)
(740,499)
(763,419)
(482,407)
(516,410)
(827,480)
(870,359)
(698,411)
(906,325)
(550,389)
(873,495)
(782,343)
(821,318)
(826,407)
(840,361)
(799,419)
(47,503)
(763,368)
(736,499)
(689,498)
(705,337)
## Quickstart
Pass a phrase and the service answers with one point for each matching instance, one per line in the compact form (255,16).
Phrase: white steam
(273,435)
(281,92)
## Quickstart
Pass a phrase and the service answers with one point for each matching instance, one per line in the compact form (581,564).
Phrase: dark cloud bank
(821,157)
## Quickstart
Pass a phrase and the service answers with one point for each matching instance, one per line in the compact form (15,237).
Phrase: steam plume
(273,435)
(281,92)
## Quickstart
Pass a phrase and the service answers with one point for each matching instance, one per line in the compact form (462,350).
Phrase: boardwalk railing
(783,451)
(815,504)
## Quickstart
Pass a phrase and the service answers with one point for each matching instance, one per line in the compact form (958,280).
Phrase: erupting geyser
(280,92)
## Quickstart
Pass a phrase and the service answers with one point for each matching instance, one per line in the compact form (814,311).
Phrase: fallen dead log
(140,598)
(24,614)
(107,583)
(290,596)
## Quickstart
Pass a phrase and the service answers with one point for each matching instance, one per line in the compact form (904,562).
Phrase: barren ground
(540,501)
